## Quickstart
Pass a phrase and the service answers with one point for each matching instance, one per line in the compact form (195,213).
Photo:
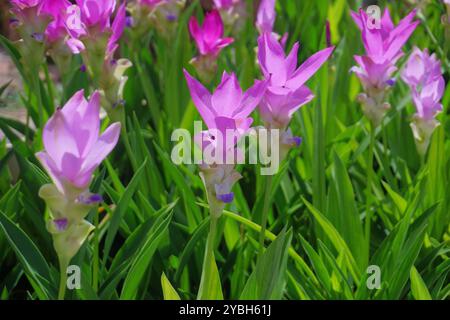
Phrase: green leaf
(418,287)
(318,265)
(268,279)
(398,200)
(344,214)
(336,239)
(168,291)
(34,264)
(213,289)
(193,214)
(120,210)
(143,258)
(13,53)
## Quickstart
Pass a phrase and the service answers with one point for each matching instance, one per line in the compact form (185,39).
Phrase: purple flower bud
(61,224)
(129,22)
(297,141)
(83,68)
(390,82)
(38,36)
(227,198)
(171,17)
(13,22)
(91,199)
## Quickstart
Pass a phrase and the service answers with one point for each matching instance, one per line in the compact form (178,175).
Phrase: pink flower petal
(102,147)
(309,68)
(202,99)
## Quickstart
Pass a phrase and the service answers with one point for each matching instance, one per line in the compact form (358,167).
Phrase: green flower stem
(63,264)
(209,253)
(265,213)
(270,236)
(96,263)
(36,87)
(369,183)
(120,117)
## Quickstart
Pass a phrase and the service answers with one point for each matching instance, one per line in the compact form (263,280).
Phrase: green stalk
(96,263)
(62,278)
(209,255)
(121,117)
(37,90)
(369,183)
(265,213)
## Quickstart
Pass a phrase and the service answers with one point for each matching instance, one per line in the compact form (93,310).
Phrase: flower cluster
(227,108)
(383,45)
(74,148)
(41,26)
(63,29)
(286,91)
(95,35)
(233,12)
(161,15)
(282,92)
(424,77)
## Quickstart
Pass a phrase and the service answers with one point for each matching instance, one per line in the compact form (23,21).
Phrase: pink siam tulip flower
(228,108)
(383,50)
(96,13)
(210,41)
(266,16)
(48,14)
(57,9)
(427,101)
(73,145)
(286,91)
(209,37)
(74,148)
(95,24)
(95,35)
(40,24)
(424,76)
(31,21)
(421,68)
(228,104)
